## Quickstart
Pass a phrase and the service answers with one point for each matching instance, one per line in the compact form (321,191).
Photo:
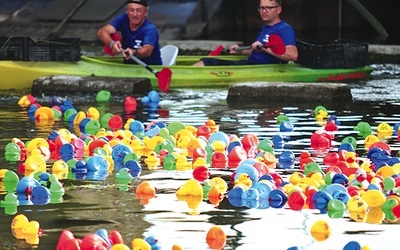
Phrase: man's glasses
(265,8)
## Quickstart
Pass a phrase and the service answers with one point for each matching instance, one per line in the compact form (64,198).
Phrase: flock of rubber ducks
(107,145)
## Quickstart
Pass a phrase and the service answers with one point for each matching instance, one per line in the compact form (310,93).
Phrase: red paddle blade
(164,79)
(217,51)
(115,37)
(107,48)
(276,44)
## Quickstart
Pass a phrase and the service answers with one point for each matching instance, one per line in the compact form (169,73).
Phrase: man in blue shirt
(139,36)
(269,12)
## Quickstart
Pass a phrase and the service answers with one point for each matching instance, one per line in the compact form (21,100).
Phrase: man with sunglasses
(140,37)
(270,11)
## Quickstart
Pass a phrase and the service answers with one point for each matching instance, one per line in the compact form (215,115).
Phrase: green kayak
(21,74)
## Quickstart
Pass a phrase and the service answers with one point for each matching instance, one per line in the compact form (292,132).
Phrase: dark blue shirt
(282,29)
(146,34)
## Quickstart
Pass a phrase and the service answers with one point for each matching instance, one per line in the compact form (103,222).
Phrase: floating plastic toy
(320,230)
(216,238)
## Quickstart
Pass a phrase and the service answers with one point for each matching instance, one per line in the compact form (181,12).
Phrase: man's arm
(104,34)
(290,54)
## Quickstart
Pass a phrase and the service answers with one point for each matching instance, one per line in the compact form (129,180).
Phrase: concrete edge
(60,84)
(282,92)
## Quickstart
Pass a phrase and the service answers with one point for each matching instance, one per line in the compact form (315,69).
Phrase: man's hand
(232,49)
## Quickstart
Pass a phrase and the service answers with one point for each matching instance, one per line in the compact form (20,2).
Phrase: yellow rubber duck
(212,125)
(244,178)
(138,146)
(219,146)
(351,159)
(200,161)
(182,163)
(140,244)
(151,143)
(93,113)
(190,188)
(152,160)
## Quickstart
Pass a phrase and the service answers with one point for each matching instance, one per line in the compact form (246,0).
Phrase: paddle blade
(164,79)
(217,51)
(276,44)
(107,48)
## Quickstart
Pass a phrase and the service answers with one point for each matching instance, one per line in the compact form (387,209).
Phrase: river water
(88,206)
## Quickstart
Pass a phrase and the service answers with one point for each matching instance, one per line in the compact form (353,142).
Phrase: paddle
(163,77)
(275,43)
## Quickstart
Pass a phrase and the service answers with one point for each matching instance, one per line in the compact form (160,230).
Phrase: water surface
(91,205)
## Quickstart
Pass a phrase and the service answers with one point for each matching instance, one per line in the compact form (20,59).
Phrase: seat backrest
(169,53)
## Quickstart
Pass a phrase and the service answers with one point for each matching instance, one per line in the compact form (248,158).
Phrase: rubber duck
(9,179)
(331,126)
(212,125)
(220,184)
(384,130)
(93,113)
(351,159)
(115,123)
(67,240)
(209,151)
(219,160)
(195,144)
(36,143)
(168,162)
(236,156)
(219,146)
(136,127)
(26,184)
(204,131)
(140,244)
(79,117)
(152,142)
(363,128)
(26,100)
(123,176)
(250,143)
(130,104)
(19,222)
(269,159)
(31,232)
(182,163)
(200,161)
(152,160)
(191,187)
(201,173)
(10,203)
(278,141)
(286,159)
(154,243)
(138,146)
(244,179)
(40,195)
(320,113)
(215,196)
(182,141)
(12,152)
(145,192)
(305,157)
(56,187)
(93,241)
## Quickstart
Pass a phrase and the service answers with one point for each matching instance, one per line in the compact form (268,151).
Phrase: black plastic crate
(27,49)
(14,48)
(332,54)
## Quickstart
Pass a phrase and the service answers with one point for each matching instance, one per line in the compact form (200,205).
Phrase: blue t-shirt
(146,34)
(282,29)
